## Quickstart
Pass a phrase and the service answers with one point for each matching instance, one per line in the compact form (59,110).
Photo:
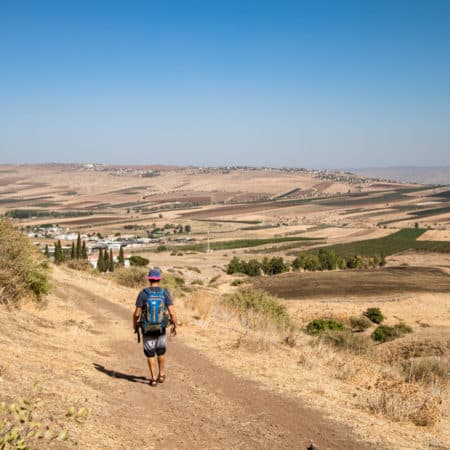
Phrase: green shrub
(137,260)
(237,282)
(384,333)
(374,314)
(318,326)
(360,323)
(402,328)
(346,340)
(234,266)
(198,282)
(253,300)
(24,270)
(194,269)
(134,276)
(161,248)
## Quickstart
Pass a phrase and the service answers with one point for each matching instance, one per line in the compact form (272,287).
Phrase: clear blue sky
(311,84)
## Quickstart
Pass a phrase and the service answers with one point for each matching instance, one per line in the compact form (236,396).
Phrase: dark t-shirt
(142,298)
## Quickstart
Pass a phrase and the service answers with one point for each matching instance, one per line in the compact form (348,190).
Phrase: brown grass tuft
(432,369)
(200,302)
(398,400)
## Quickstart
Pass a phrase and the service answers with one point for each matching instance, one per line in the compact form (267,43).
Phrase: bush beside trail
(24,271)
(374,315)
(248,301)
(318,326)
(385,333)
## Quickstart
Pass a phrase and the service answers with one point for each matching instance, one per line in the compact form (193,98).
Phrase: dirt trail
(200,405)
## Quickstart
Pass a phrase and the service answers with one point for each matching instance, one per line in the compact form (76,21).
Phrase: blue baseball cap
(154,274)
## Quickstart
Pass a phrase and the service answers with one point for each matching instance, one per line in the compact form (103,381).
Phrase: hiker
(154,305)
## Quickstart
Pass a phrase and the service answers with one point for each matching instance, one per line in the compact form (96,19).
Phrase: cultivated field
(368,284)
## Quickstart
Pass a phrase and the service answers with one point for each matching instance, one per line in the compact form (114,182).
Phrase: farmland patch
(331,284)
(402,240)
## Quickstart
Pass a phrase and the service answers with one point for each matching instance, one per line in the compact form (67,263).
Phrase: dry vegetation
(23,270)
(344,373)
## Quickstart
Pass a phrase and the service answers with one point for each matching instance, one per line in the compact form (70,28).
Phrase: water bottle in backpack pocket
(155,316)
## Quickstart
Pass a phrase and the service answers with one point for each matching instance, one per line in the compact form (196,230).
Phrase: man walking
(153,305)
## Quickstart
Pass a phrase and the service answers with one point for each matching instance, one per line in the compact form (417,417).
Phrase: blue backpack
(155,315)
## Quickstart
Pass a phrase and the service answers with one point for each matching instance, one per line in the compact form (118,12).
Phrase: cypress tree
(105,260)
(78,250)
(84,251)
(111,261)
(46,253)
(121,257)
(100,261)
(58,252)
(72,252)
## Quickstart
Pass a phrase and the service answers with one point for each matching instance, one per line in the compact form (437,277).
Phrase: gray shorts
(155,345)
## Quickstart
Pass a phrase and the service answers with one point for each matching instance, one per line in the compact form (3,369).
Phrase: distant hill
(423,175)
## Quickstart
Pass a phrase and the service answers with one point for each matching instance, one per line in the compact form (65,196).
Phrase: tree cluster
(253,267)
(166,229)
(59,255)
(327,259)
(79,250)
(105,262)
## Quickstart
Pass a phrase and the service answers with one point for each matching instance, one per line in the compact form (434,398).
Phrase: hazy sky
(310,84)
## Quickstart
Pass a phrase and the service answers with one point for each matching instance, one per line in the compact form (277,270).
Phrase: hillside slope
(80,351)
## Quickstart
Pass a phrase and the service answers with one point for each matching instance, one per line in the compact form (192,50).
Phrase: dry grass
(428,369)
(256,307)
(398,400)
(348,342)
(133,277)
(200,303)
(343,373)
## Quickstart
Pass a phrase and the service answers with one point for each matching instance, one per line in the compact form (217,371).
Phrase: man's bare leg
(152,367)
(161,362)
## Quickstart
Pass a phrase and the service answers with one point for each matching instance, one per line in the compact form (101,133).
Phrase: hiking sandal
(161,379)
(152,383)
